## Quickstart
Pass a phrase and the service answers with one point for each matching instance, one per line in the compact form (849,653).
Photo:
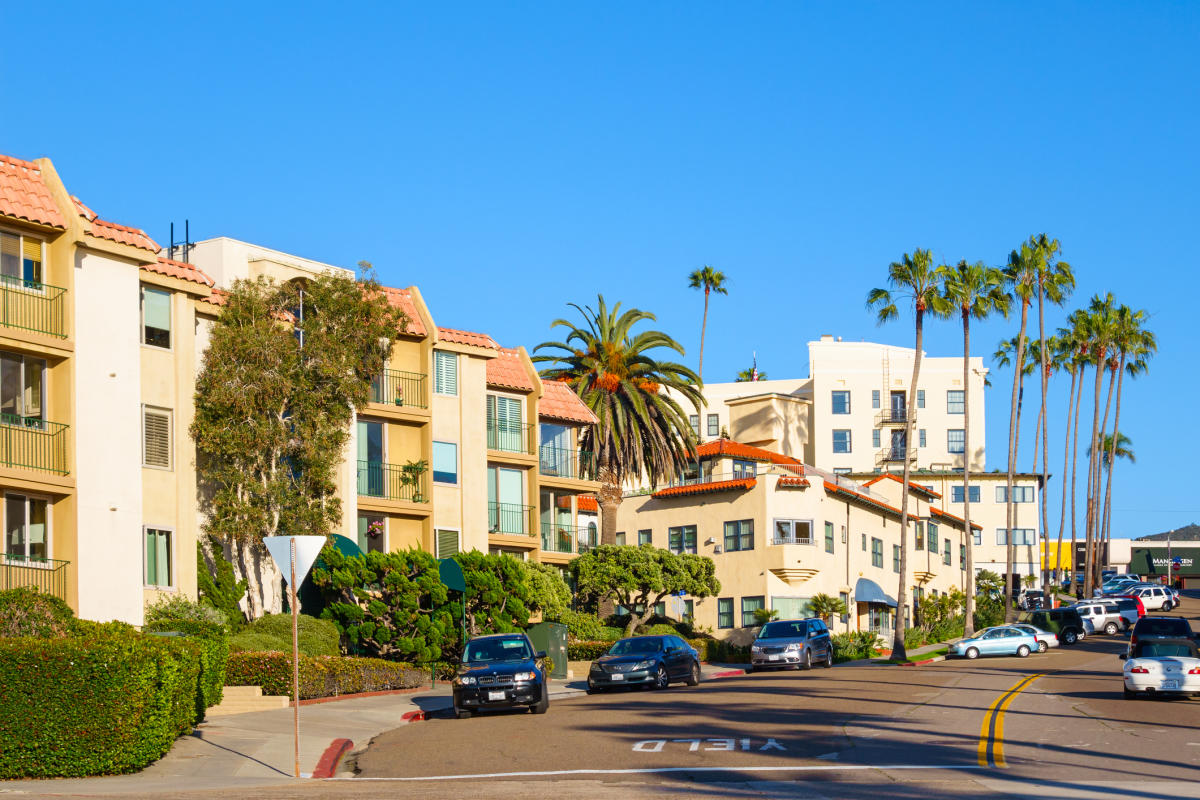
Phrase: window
(864,542)
(962,557)
(919,530)
(372,534)
(739,535)
(26,528)
(841,441)
(744,469)
(790,531)
(956,401)
(1021,494)
(956,441)
(22,379)
(842,470)
(660,609)
(749,606)
(682,539)
(445,462)
(828,537)
(644,537)
(920,398)
(694,421)
(156,317)
(946,554)
(20,261)
(841,402)
(156,437)
(507,512)
(689,610)
(445,372)
(876,552)
(714,425)
(978,535)
(875,438)
(921,438)
(1020,536)
(933,537)
(874,398)
(725,612)
(896,559)
(159,558)
(956,494)
(620,537)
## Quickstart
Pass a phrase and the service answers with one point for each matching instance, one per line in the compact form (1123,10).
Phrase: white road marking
(670,770)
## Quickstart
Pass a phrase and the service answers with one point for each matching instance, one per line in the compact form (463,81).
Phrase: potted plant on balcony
(410,476)
(375,529)
(399,394)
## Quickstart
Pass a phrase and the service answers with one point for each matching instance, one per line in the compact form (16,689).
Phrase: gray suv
(1104,616)
(796,643)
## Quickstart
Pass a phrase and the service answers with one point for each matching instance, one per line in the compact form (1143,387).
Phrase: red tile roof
(403,300)
(24,195)
(467,337)
(121,234)
(508,372)
(937,512)
(705,488)
(916,487)
(728,447)
(178,269)
(789,481)
(219,297)
(559,401)
(586,502)
(859,497)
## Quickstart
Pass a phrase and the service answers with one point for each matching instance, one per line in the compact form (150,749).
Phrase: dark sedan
(500,671)
(645,661)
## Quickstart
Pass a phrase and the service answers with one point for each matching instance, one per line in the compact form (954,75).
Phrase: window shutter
(447,543)
(156,438)
(445,371)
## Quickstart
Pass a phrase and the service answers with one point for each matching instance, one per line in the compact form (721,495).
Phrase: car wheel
(1043,647)
(1069,637)
(1111,629)
(542,705)
(1128,694)
(806,664)
(694,676)
(972,652)
(460,714)
(661,679)
(1023,651)
(593,688)
(828,658)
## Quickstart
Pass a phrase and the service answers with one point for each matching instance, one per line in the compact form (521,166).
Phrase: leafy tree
(641,577)
(217,585)
(710,280)
(548,592)
(499,596)
(641,428)
(285,368)
(826,606)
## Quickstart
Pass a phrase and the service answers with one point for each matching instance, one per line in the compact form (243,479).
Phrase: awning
(868,591)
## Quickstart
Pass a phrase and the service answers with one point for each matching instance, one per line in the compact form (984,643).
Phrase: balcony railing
(560,538)
(33,443)
(562,462)
(392,482)
(896,454)
(511,437)
(32,306)
(44,574)
(512,519)
(396,388)
(892,416)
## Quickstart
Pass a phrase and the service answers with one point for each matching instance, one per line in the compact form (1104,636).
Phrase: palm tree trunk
(1037,436)
(1093,458)
(609,500)
(898,650)
(969,567)
(1112,452)
(1062,520)
(703,327)
(1074,469)
(1112,380)
(1014,421)
(1044,536)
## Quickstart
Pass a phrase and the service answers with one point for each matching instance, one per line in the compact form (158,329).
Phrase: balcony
(32,306)
(33,443)
(561,462)
(560,538)
(890,455)
(892,416)
(401,389)
(512,519)
(392,482)
(511,437)
(44,574)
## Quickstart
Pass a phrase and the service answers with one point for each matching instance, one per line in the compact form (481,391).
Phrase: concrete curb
(332,756)
(926,661)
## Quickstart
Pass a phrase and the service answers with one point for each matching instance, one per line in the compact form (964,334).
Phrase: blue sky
(512,157)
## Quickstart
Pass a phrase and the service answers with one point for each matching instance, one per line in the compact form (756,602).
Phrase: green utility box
(551,637)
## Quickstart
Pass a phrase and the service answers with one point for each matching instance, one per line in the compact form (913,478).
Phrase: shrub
(989,611)
(658,630)
(915,637)
(324,676)
(853,646)
(29,612)
(610,634)
(217,585)
(318,637)
(586,651)
(722,652)
(213,647)
(178,607)
(582,626)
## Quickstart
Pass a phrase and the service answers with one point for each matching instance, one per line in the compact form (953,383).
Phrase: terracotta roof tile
(559,401)
(728,447)
(789,481)
(916,487)
(219,298)
(586,502)
(122,234)
(403,300)
(833,488)
(705,488)
(937,512)
(24,195)
(467,337)
(507,371)
(178,269)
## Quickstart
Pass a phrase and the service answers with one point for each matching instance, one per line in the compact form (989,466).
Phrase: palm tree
(1100,324)
(1136,346)
(1066,355)
(641,429)
(1005,356)
(916,279)
(747,375)
(989,583)
(977,290)
(826,606)
(710,280)
(1115,447)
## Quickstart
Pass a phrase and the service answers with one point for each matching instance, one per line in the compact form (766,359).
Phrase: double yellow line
(991,732)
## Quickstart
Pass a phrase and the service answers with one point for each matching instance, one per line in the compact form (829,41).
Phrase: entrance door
(504,417)
(898,406)
(506,493)
(370,458)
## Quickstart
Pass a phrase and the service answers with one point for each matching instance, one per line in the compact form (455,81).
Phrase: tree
(1100,326)
(1070,356)
(988,583)
(641,430)
(977,291)
(499,597)
(548,592)
(285,368)
(1111,448)
(641,577)
(825,606)
(710,280)
(748,375)
(916,279)
(764,615)
(217,586)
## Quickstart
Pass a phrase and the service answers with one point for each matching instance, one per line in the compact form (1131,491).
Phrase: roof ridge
(20,162)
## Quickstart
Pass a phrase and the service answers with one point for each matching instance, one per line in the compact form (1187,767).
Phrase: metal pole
(1170,562)
(295,659)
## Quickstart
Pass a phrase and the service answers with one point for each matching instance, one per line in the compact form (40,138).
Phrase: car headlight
(524,676)
(794,646)
(596,667)
(755,648)
(647,664)
(465,680)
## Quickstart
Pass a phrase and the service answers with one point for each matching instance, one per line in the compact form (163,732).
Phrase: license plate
(772,658)
(1170,686)
(495,695)
(616,676)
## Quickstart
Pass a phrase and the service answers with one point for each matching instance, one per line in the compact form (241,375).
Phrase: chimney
(826,337)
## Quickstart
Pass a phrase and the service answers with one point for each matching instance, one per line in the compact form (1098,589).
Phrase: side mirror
(540,654)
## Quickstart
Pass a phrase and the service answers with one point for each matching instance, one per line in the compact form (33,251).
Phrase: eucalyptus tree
(914,279)
(977,291)
(710,280)
(642,430)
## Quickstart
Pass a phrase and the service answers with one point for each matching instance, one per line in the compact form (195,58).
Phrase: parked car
(1030,599)
(798,643)
(1118,586)
(1137,602)
(1156,627)
(1063,622)
(1045,639)
(1104,615)
(645,661)
(1162,666)
(500,671)
(1158,598)
(1000,641)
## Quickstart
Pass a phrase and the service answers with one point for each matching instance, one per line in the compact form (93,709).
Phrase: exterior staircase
(245,699)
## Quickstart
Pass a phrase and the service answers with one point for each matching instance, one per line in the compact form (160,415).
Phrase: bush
(71,707)
(29,612)
(178,607)
(915,637)
(582,626)
(217,585)
(324,676)
(586,651)
(658,630)
(854,646)
(610,634)
(213,647)
(989,611)
(318,637)
(717,650)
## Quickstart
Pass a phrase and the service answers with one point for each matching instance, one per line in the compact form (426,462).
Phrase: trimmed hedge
(28,612)
(214,653)
(71,707)
(323,676)
(586,651)
(318,637)
(722,652)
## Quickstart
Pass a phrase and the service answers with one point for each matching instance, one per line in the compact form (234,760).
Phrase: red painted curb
(315,700)
(413,716)
(332,757)
(728,673)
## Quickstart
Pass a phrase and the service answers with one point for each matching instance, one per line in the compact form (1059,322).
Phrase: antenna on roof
(186,245)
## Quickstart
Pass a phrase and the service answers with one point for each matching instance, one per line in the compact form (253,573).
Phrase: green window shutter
(445,373)
(447,543)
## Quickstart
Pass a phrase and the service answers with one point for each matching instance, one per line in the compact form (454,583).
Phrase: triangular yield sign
(307,550)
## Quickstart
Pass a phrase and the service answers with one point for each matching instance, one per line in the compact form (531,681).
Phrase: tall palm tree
(710,280)
(1100,324)
(1136,345)
(641,429)
(1005,356)
(1066,356)
(977,291)
(1076,336)
(913,278)
(1115,447)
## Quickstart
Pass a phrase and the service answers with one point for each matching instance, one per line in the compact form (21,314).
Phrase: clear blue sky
(511,157)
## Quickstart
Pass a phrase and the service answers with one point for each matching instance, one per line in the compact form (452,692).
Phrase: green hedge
(214,653)
(318,637)
(721,652)
(28,612)
(323,676)
(71,707)
(586,651)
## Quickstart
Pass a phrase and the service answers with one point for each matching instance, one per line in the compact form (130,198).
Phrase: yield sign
(307,550)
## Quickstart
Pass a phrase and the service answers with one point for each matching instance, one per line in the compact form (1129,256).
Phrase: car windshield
(1164,650)
(493,650)
(631,647)
(783,630)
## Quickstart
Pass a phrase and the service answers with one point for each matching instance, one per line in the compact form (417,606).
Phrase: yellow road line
(991,730)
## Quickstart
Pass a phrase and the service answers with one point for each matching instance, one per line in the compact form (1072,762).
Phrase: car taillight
(1194,671)
(1140,670)
(1132,641)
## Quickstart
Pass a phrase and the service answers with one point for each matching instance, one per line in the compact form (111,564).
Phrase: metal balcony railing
(560,538)
(33,443)
(512,519)
(396,388)
(562,462)
(896,454)
(32,306)
(511,437)
(392,482)
(44,574)
(892,416)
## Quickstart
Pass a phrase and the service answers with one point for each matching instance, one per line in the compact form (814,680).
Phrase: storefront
(1153,563)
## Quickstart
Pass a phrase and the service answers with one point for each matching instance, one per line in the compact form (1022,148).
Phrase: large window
(20,260)
(445,372)
(956,441)
(956,402)
(841,441)
(26,527)
(1021,494)
(156,317)
(156,437)
(506,424)
(681,539)
(646,536)
(896,559)
(744,469)
(714,424)
(956,494)
(876,552)
(739,535)
(445,462)
(1020,536)
(694,421)
(933,537)
(507,512)
(792,531)
(841,402)
(159,557)
(828,537)
(749,606)
(22,380)
(725,612)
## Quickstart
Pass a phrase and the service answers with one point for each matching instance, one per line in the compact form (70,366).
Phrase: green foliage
(586,651)
(548,665)
(324,676)
(721,652)
(217,585)
(29,612)
(318,637)
(989,611)
(661,629)
(177,607)
(988,584)
(854,646)
(548,592)
(212,646)
(498,593)
(826,606)
(764,615)
(582,626)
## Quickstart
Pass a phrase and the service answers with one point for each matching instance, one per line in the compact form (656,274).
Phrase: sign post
(294,557)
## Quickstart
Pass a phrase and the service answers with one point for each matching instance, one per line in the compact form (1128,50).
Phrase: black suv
(1149,627)
(501,671)
(1064,622)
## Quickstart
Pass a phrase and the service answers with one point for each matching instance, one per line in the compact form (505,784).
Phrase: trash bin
(551,637)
